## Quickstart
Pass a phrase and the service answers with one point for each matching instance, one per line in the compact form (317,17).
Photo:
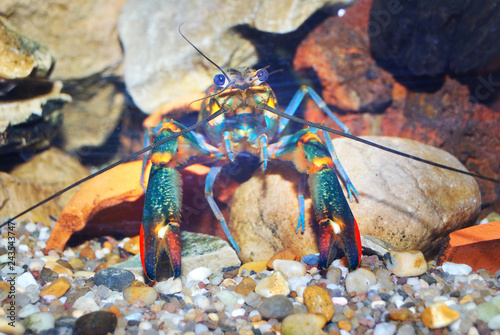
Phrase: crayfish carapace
(247,124)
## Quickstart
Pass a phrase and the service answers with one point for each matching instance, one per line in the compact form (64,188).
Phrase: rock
(257,266)
(115,279)
(311,259)
(85,304)
(438,315)
(8,329)
(318,301)
(88,253)
(360,280)
(28,310)
(22,57)
(246,286)
(149,78)
(338,51)
(198,274)
(456,269)
(384,328)
(446,201)
(147,294)
(374,245)
(96,323)
(39,321)
(297,324)
(476,246)
(169,286)
(277,306)
(229,298)
(287,254)
(289,268)
(406,329)
(494,322)
(25,280)
(400,314)
(57,288)
(409,263)
(273,285)
(132,245)
(487,310)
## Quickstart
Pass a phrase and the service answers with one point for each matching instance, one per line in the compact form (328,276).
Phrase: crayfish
(247,123)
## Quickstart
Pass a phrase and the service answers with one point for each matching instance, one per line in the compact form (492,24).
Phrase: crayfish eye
(219,80)
(262,75)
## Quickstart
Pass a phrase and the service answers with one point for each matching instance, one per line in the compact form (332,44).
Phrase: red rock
(477,246)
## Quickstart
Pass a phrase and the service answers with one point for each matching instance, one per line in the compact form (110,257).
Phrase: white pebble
(238,312)
(199,274)
(28,310)
(384,328)
(339,301)
(228,298)
(360,280)
(44,234)
(40,321)
(378,304)
(145,325)
(23,248)
(201,302)
(25,280)
(200,328)
(298,281)
(494,322)
(86,304)
(30,227)
(42,245)
(36,265)
(134,317)
(289,268)
(456,269)
(169,286)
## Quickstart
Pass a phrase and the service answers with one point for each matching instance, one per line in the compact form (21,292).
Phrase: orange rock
(246,286)
(288,254)
(115,310)
(132,245)
(87,252)
(102,266)
(317,300)
(255,266)
(345,324)
(57,288)
(400,314)
(477,246)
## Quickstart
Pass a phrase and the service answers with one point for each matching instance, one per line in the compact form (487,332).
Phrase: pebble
(487,310)
(277,306)
(456,269)
(407,263)
(400,314)
(289,268)
(438,315)
(311,259)
(96,323)
(300,324)
(39,321)
(384,328)
(273,285)
(286,254)
(246,286)
(57,288)
(360,280)
(199,274)
(113,278)
(406,329)
(8,329)
(345,325)
(88,253)
(202,302)
(132,245)
(318,301)
(86,304)
(169,286)
(146,294)
(28,310)
(229,298)
(258,266)
(25,280)
(494,322)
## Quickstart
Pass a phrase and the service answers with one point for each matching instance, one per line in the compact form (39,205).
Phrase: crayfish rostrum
(247,124)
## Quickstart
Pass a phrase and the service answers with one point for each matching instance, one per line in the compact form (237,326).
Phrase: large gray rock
(161,66)
(408,204)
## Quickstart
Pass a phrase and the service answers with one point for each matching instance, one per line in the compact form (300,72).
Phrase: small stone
(253,299)
(400,314)
(25,280)
(438,315)
(345,325)
(96,323)
(299,324)
(76,263)
(311,259)
(494,322)
(132,245)
(258,266)
(85,304)
(147,294)
(39,321)
(28,310)
(273,285)
(317,300)
(246,286)
(88,253)
(58,268)
(57,288)
(286,254)
(8,329)
(289,268)
(487,310)
(115,279)
(408,263)
(229,298)
(333,275)
(456,269)
(84,274)
(466,299)
(360,280)
(199,274)
(384,328)
(277,306)
(201,301)
(348,312)
(406,329)
(169,286)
